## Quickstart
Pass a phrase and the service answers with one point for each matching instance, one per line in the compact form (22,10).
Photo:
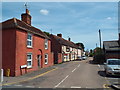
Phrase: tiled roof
(111,45)
(16,23)
(64,42)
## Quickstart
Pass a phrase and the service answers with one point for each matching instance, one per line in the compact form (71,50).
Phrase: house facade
(111,49)
(64,50)
(24,47)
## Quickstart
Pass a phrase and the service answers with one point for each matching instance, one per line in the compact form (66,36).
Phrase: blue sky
(78,20)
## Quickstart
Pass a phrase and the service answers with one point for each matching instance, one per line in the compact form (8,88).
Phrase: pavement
(28,76)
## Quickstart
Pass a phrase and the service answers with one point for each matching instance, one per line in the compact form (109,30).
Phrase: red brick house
(24,47)
(64,50)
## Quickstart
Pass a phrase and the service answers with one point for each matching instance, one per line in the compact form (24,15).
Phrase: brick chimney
(69,39)
(26,17)
(59,35)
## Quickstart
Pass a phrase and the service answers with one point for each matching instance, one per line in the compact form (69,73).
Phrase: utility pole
(100,37)
(51,31)
(96,45)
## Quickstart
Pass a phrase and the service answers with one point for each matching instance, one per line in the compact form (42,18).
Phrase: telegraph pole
(100,37)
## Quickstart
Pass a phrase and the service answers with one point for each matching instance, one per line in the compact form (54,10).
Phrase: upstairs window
(46,44)
(29,40)
(67,49)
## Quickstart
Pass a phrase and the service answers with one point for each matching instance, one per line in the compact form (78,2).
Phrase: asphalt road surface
(74,74)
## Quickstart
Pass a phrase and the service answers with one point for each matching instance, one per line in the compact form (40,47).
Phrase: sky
(80,21)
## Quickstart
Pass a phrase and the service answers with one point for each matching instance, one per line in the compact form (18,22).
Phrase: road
(74,74)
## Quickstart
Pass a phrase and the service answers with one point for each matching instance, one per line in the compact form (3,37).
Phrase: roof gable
(16,23)
(64,42)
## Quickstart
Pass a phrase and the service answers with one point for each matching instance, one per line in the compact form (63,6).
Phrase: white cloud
(109,18)
(44,11)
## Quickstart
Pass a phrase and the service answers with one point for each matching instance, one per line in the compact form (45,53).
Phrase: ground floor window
(46,58)
(29,60)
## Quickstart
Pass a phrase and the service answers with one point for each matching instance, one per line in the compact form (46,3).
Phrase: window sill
(29,67)
(46,63)
(29,47)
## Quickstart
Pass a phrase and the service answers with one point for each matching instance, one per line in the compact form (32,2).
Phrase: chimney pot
(59,35)
(68,39)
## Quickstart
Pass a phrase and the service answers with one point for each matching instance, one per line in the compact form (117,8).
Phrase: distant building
(24,47)
(112,48)
(64,50)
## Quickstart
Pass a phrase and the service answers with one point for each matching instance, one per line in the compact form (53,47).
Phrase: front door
(39,60)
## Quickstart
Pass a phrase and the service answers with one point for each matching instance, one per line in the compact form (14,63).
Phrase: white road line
(62,81)
(88,87)
(75,87)
(73,70)
(18,85)
(30,86)
(78,65)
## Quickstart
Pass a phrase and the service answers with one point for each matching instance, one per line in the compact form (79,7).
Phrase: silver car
(112,67)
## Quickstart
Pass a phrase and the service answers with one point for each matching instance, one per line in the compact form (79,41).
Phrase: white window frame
(29,40)
(29,60)
(46,59)
(46,43)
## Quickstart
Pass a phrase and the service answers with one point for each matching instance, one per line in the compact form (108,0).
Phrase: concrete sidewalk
(28,76)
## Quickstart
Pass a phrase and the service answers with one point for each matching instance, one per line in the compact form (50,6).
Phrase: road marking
(73,70)
(31,78)
(62,81)
(105,86)
(29,86)
(78,65)
(18,85)
(88,87)
(75,87)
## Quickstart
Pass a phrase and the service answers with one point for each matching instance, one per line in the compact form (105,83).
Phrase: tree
(81,45)
(47,33)
(91,53)
(99,56)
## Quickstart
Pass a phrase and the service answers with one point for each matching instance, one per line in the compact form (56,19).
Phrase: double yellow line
(28,78)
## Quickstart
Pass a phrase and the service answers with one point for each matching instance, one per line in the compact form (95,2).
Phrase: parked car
(79,57)
(112,67)
(83,57)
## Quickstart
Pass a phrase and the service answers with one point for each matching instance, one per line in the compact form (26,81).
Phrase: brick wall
(8,50)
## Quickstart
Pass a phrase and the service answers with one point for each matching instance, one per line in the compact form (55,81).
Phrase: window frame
(46,59)
(30,40)
(46,43)
(29,60)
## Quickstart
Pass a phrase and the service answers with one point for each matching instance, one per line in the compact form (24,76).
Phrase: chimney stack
(26,17)
(59,35)
(69,39)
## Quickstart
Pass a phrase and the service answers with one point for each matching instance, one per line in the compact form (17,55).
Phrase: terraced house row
(26,48)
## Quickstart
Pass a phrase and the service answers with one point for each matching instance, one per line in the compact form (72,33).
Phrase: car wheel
(106,74)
